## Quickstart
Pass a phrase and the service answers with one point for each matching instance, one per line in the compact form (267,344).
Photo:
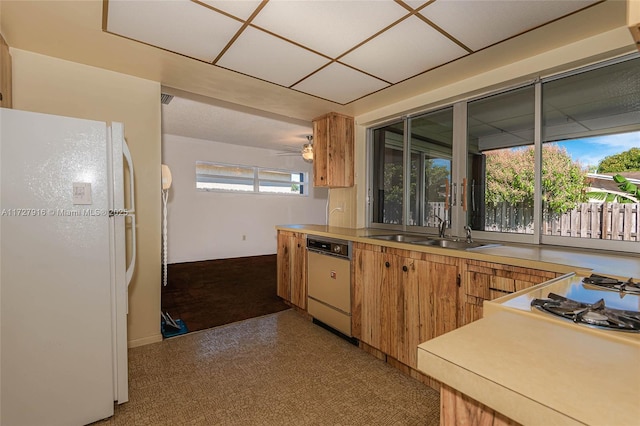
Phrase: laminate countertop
(538,373)
(537,369)
(551,258)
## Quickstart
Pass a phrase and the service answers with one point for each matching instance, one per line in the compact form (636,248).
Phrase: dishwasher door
(329,290)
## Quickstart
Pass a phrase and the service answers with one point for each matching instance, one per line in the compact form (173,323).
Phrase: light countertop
(549,258)
(538,369)
(538,373)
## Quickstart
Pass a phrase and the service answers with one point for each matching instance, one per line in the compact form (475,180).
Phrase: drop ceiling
(338,51)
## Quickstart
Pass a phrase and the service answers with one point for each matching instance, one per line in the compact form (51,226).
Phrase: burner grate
(613,284)
(592,314)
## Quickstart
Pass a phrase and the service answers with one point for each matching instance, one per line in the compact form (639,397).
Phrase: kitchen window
(500,143)
(387,185)
(249,179)
(517,165)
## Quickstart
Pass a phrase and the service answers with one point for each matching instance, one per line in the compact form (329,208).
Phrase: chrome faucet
(442,226)
(468,229)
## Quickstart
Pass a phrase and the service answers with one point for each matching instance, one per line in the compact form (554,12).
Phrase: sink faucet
(468,229)
(442,226)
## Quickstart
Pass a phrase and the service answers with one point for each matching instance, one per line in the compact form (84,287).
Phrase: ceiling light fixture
(307,150)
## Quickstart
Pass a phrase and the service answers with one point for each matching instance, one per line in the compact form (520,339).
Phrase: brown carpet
(216,292)
(278,369)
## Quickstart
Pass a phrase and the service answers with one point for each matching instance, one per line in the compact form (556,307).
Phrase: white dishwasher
(329,282)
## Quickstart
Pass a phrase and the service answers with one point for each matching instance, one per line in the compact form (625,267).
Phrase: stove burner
(594,318)
(613,284)
(595,314)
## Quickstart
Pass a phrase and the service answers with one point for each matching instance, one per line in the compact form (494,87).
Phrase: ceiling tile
(402,51)
(328,27)
(264,56)
(339,83)
(179,26)
(240,9)
(478,24)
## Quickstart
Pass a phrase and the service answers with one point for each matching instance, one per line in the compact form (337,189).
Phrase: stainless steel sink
(452,244)
(401,238)
(425,240)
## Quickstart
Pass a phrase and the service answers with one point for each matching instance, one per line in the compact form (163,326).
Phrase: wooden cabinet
(487,281)
(633,20)
(292,268)
(5,75)
(371,296)
(458,409)
(403,298)
(333,145)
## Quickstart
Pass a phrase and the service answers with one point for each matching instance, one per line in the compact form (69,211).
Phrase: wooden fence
(607,221)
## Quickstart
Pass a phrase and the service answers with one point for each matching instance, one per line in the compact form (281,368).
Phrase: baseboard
(145,341)
(187,262)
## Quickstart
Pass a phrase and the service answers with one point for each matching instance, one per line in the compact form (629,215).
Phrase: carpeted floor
(215,292)
(278,369)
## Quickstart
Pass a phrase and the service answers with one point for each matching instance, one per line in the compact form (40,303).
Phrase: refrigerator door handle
(130,212)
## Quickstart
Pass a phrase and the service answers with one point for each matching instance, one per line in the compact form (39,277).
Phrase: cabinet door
(333,150)
(5,75)
(371,276)
(405,316)
(284,265)
(297,245)
(441,313)
(633,20)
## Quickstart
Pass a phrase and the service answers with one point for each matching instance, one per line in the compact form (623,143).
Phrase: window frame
(256,180)
(460,167)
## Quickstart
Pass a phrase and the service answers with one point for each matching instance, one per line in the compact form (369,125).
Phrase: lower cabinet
(487,281)
(292,268)
(403,298)
(458,409)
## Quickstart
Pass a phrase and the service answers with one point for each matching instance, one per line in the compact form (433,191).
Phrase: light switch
(81,193)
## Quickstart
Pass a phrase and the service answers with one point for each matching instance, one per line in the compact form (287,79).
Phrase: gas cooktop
(593,314)
(612,284)
(575,302)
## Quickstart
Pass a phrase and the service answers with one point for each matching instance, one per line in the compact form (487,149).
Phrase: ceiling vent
(165,99)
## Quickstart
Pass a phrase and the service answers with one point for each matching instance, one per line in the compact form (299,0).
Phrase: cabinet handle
(387,264)
(446,194)
(404,268)
(464,194)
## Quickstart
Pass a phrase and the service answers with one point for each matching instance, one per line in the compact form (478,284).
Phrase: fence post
(604,221)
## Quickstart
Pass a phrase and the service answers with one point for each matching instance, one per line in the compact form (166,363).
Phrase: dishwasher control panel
(329,246)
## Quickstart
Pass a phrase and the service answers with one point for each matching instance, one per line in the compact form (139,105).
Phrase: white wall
(209,225)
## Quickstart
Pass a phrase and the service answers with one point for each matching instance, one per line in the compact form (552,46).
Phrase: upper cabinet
(5,74)
(333,141)
(633,19)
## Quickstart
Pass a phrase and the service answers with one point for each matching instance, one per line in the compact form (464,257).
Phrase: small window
(224,177)
(239,178)
(280,182)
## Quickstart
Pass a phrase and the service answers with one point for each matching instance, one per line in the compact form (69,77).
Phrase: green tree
(510,178)
(393,195)
(627,161)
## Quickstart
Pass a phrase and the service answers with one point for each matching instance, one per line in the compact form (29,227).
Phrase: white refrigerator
(63,271)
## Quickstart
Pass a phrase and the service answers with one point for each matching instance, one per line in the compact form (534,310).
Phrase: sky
(590,151)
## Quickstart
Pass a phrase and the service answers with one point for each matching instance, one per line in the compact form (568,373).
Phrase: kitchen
(40,33)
